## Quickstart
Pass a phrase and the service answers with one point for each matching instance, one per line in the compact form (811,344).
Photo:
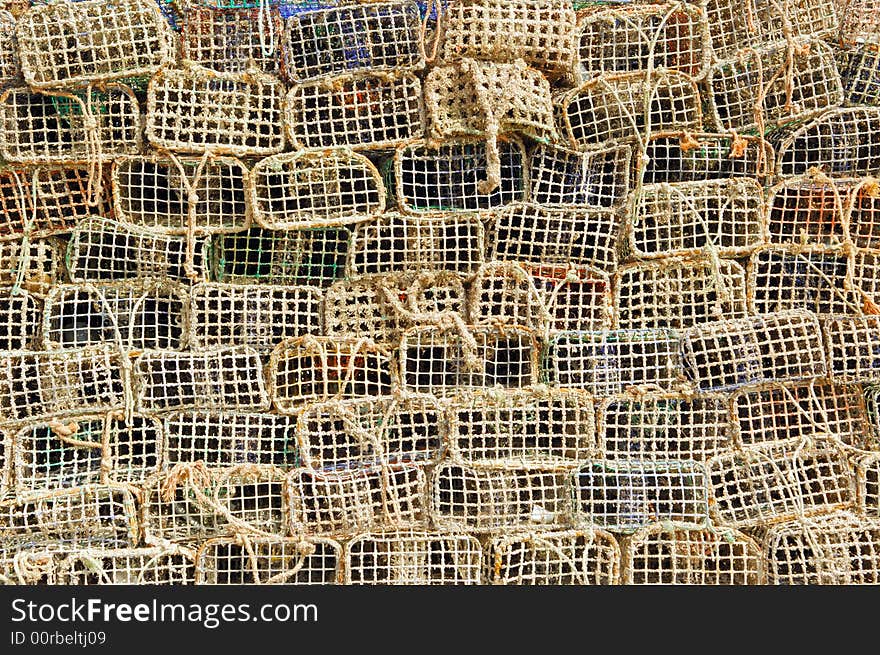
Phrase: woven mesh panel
(43,129)
(10,66)
(413,558)
(264,560)
(395,242)
(595,178)
(260,316)
(571,557)
(575,298)
(114,566)
(38,267)
(669,555)
(252,497)
(197,109)
(102,249)
(499,499)
(865,264)
(853,348)
(663,426)
(859,69)
(724,355)
(686,157)
(522,428)
(174,513)
(504,294)
(228,40)
(859,21)
(608,362)
(811,210)
(367,111)
(868,478)
(19,321)
(678,294)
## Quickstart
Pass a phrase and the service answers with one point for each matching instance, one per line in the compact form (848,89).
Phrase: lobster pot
(113,566)
(446,362)
(594,178)
(55,129)
(865,278)
(402,429)
(503,293)
(228,438)
(133,315)
(863,218)
(686,157)
(516,428)
(838,549)
(678,294)
(19,320)
(195,110)
(842,142)
(663,426)
(315,188)
(859,21)
(251,497)
(227,40)
(809,210)
(40,385)
(778,412)
(451,176)
(576,298)
(360,500)
(61,454)
(366,111)
(311,257)
(743,97)
(10,67)
(90,515)
(499,500)
(569,557)
(673,555)
(853,348)
(219,378)
(868,480)
(859,68)
(268,560)
(608,362)
(533,234)
(626,107)
(380,36)
(101,249)
(393,243)
(783,278)
(540,32)
(725,355)
(724,216)
(773,483)
(380,307)
(626,38)
(155,193)
(176,513)
(37,265)
(413,558)
(259,316)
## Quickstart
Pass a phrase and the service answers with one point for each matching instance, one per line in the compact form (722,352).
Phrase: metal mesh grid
(678,294)
(499,499)
(724,216)
(284,257)
(327,42)
(853,348)
(78,43)
(102,249)
(608,362)
(264,560)
(838,549)
(859,69)
(662,554)
(230,40)
(575,298)
(34,266)
(687,157)
(522,428)
(868,480)
(219,378)
(413,558)
(112,566)
(171,195)
(10,67)
(811,210)
(724,355)
(571,557)
(338,435)
(625,38)
(19,320)
(198,110)
(67,128)
(595,178)
(356,501)
(504,294)
(132,315)
(534,234)
(306,369)
(260,316)
(444,362)
(395,242)
(315,188)
(451,176)
(663,426)
(364,112)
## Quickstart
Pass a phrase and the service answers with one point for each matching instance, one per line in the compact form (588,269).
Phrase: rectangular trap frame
(575,297)
(859,68)
(598,177)
(863,214)
(699,156)
(504,294)
(853,348)
(19,320)
(37,265)
(865,281)
(10,66)
(266,560)
(111,566)
(813,210)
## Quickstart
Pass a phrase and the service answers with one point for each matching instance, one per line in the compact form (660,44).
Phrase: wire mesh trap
(10,67)
(852,348)
(175,512)
(859,69)
(695,156)
(813,209)
(624,495)
(858,21)
(231,39)
(19,320)
(595,178)
(266,560)
(445,362)
(867,469)
(608,362)
(111,566)
(724,355)
(504,294)
(34,266)
(663,426)
(863,215)
(198,110)
(575,298)
(663,554)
